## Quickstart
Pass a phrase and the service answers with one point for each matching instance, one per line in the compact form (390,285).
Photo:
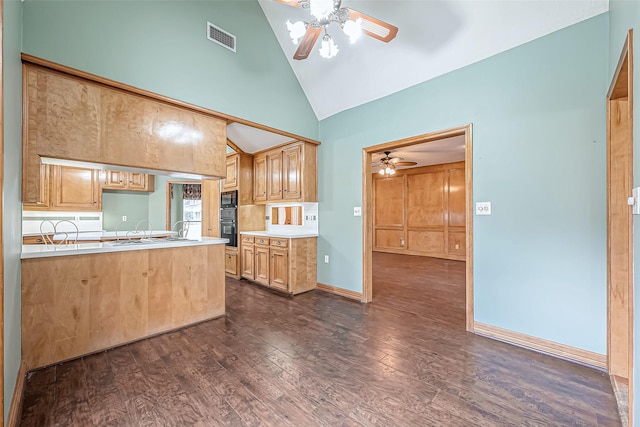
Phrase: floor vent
(220,36)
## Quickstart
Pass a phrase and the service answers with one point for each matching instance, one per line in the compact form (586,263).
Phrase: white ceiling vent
(220,36)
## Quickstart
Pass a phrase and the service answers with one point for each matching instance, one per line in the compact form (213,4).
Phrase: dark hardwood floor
(319,359)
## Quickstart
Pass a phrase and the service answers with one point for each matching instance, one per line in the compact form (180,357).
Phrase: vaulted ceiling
(434,38)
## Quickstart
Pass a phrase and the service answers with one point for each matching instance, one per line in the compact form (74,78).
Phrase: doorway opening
(184,208)
(453,236)
(620,231)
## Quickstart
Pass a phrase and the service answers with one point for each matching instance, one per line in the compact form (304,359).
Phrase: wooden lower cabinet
(288,265)
(231,267)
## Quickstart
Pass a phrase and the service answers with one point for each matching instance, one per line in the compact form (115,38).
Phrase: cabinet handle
(285,190)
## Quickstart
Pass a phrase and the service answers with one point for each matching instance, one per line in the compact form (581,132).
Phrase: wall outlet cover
(357,211)
(483,208)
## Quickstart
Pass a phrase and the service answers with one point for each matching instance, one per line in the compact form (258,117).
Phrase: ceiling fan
(388,164)
(323,13)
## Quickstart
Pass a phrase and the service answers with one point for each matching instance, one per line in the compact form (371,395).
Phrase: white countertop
(43,251)
(97,235)
(278,235)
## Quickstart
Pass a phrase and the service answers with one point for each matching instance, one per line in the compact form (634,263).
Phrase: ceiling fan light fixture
(296,30)
(321,9)
(353,29)
(328,49)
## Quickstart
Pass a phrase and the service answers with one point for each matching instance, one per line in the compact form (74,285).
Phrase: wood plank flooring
(322,360)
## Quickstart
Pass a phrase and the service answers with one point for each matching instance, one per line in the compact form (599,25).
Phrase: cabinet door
(137,181)
(274,176)
(261,267)
(45,192)
(291,173)
(231,180)
(231,262)
(247,261)
(76,188)
(260,178)
(278,268)
(210,208)
(115,180)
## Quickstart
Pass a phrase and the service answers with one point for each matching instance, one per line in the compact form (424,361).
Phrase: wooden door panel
(210,208)
(389,239)
(457,244)
(425,200)
(76,188)
(260,178)
(426,241)
(291,173)
(456,198)
(278,268)
(261,266)
(388,201)
(247,261)
(274,177)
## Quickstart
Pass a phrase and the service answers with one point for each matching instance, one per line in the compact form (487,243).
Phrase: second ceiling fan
(323,13)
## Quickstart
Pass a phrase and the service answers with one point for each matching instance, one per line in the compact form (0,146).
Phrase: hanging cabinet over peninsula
(74,116)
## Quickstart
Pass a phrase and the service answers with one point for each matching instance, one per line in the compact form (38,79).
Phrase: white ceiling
(434,38)
(437,152)
(251,140)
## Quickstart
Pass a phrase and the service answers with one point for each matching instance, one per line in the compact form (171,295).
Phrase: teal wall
(12,207)
(161,46)
(158,203)
(625,15)
(135,205)
(538,118)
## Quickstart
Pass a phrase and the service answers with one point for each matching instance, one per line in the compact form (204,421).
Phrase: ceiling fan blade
(294,3)
(373,27)
(307,42)
(406,163)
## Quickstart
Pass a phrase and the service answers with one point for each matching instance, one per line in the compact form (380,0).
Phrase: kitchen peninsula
(81,298)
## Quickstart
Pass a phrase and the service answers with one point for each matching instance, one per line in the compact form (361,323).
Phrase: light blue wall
(161,46)
(12,207)
(538,118)
(625,15)
(135,205)
(158,203)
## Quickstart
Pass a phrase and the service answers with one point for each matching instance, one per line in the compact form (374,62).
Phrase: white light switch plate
(357,211)
(483,208)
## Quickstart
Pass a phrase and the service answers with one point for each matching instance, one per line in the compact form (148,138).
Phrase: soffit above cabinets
(434,38)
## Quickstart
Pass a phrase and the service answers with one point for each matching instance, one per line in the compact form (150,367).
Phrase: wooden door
(274,176)
(76,188)
(260,178)
(291,173)
(247,260)
(278,268)
(388,212)
(261,266)
(231,180)
(137,181)
(210,208)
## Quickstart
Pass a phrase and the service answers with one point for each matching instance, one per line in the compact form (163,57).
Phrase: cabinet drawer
(282,243)
(262,241)
(247,239)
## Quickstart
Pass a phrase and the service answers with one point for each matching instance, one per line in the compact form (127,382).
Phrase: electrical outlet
(326,259)
(357,211)
(124,218)
(483,208)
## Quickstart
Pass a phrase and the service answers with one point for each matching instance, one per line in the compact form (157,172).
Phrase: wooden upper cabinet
(274,176)
(76,189)
(231,180)
(45,190)
(210,208)
(130,181)
(289,173)
(260,178)
(93,120)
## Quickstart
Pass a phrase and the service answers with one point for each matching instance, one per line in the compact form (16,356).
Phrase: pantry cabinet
(288,265)
(288,173)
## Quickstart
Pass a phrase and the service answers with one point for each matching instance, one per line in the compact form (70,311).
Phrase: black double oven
(229,217)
